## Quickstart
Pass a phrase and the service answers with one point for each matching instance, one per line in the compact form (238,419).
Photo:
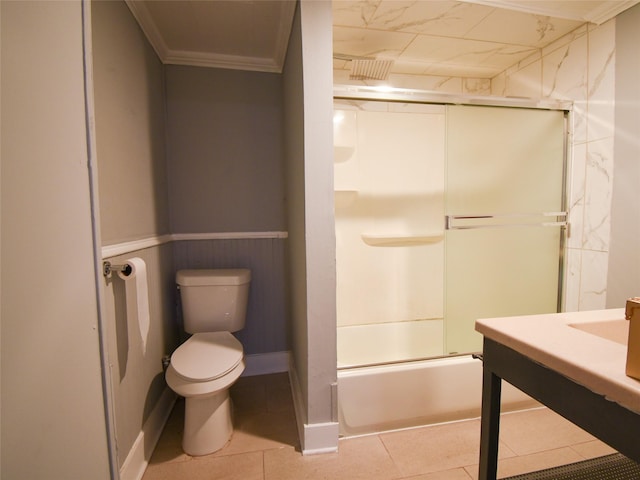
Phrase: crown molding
(214,60)
(575,10)
(143,17)
(607,10)
(273,63)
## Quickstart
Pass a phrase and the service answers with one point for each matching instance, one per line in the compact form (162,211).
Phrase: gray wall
(225,167)
(267,329)
(53,420)
(294,155)
(624,259)
(225,150)
(130,139)
(129,95)
(319,220)
(309,172)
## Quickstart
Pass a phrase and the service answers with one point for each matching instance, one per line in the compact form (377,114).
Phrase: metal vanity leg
(489,424)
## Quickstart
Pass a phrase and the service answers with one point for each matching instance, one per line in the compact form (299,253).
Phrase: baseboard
(298,403)
(320,438)
(265,363)
(138,457)
(315,438)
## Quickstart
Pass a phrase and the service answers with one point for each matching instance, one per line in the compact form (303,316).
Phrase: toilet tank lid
(201,277)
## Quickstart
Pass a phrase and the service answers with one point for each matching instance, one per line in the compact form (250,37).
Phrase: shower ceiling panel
(472,38)
(478,38)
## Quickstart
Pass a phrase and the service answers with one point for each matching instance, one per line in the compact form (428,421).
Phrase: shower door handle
(466,222)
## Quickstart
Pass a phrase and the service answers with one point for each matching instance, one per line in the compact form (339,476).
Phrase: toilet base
(207,423)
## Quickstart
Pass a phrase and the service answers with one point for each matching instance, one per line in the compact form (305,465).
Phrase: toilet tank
(214,300)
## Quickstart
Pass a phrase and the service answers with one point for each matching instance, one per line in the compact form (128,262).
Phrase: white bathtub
(379,398)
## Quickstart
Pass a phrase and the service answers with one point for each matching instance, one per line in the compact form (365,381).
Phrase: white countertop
(588,359)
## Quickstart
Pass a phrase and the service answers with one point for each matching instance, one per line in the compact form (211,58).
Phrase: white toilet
(214,304)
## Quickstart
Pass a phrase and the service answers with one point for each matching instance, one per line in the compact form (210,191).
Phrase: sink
(614,330)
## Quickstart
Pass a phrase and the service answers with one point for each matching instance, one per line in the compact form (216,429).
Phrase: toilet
(214,304)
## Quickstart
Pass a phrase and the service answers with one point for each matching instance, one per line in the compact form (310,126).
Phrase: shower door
(389,206)
(505,219)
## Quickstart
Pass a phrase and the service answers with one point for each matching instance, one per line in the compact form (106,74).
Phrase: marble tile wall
(434,83)
(580,67)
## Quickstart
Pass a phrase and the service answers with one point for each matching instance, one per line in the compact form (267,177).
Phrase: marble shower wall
(579,67)
(433,83)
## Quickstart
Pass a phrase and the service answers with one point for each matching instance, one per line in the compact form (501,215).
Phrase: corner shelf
(342,154)
(345,198)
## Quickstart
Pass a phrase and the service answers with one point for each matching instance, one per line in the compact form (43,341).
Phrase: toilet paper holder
(108,268)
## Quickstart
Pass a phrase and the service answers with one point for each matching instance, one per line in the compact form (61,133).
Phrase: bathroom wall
(434,83)
(226,178)
(224,150)
(295,193)
(309,186)
(130,127)
(130,150)
(266,332)
(53,417)
(624,260)
(580,67)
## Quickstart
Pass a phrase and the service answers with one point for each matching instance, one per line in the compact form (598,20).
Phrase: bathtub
(408,394)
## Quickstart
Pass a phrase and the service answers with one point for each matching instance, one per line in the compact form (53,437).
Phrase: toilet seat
(207,356)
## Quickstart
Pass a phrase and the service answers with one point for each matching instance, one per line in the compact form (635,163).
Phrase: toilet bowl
(204,367)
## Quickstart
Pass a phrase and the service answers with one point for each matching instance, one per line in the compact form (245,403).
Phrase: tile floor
(265,445)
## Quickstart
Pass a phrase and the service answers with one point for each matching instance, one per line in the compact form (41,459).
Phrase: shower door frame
(399,95)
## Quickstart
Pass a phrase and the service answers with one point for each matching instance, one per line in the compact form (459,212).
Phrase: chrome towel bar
(462,222)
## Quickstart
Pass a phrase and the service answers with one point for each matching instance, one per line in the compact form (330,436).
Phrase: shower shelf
(342,153)
(344,198)
(401,240)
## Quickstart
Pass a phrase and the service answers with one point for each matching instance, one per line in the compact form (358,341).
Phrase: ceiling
(467,38)
(236,34)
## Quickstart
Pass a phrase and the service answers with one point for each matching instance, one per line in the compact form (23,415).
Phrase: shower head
(366,68)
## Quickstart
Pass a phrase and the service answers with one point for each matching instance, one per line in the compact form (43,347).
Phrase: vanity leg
(489,425)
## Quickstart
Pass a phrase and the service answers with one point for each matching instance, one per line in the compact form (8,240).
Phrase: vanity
(574,363)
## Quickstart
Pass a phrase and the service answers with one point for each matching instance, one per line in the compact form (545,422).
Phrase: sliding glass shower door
(444,214)
(504,207)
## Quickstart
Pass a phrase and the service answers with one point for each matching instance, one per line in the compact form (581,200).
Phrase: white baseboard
(315,438)
(320,438)
(138,457)
(265,363)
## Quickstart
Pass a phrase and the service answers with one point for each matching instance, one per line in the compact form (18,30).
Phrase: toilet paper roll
(137,293)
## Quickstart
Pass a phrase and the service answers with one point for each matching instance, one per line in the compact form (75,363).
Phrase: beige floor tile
(262,393)
(246,466)
(531,463)
(539,430)
(169,449)
(265,445)
(455,474)
(593,449)
(362,458)
(169,446)
(249,395)
(436,448)
(262,431)
(279,396)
